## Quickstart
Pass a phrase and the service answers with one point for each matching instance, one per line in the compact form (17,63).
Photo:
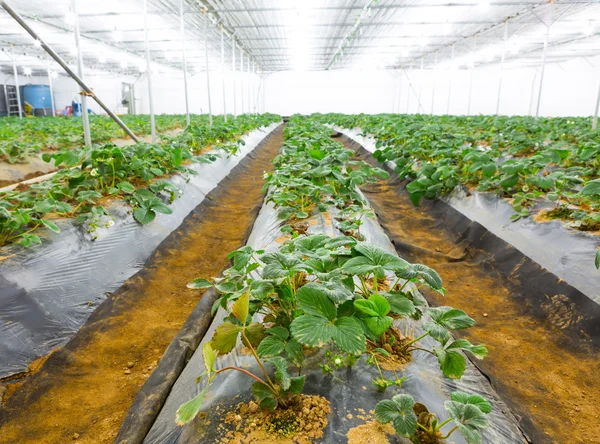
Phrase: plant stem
(415,340)
(450,432)
(260,364)
(422,349)
(252,375)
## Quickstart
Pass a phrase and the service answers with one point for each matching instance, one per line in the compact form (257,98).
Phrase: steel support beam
(539,98)
(450,82)
(51,85)
(242,78)
(595,120)
(502,67)
(233,75)
(87,137)
(223,73)
(149,71)
(210,118)
(184,61)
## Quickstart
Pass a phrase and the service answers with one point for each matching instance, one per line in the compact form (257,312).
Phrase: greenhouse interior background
(299,221)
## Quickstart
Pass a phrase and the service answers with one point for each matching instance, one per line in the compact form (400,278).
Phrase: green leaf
(348,335)
(444,319)
(126,187)
(50,225)
(294,352)
(280,332)
(297,384)
(399,411)
(401,305)
(225,337)
(199,283)
(335,291)
(255,333)
(475,399)
(315,302)
(262,289)
(270,346)
(261,391)
(597,260)
(379,325)
(280,265)
(429,275)
(281,372)
(210,357)
(313,331)
(592,188)
(469,419)
(376,305)
(189,410)
(479,351)
(241,308)
(452,362)
(373,260)
(143,215)
(489,169)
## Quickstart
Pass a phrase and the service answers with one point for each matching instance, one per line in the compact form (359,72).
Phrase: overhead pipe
(63,64)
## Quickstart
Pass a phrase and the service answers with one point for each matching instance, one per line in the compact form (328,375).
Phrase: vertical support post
(50,84)
(249,86)
(242,78)
(502,66)
(420,88)
(185,81)
(223,72)
(595,120)
(530,109)
(84,108)
(433,81)
(450,82)
(210,118)
(397,109)
(539,99)
(408,95)
(18,90)
(149,73)
(233,75)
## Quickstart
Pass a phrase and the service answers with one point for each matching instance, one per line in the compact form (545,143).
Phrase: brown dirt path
(551,384)
(84,390)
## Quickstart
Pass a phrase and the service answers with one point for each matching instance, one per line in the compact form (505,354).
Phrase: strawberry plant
(412,419)
(107,170)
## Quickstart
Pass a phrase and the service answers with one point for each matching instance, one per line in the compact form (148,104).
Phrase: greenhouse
(299,221)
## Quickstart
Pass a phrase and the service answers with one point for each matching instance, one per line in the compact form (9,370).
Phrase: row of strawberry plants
(22,138)
(136,174)
(341,294)
(550,162)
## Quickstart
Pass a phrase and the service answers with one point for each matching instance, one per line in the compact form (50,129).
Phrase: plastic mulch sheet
(48,291)
(347,389)
(552,265)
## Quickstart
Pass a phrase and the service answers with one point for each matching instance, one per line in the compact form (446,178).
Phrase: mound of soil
(302,422)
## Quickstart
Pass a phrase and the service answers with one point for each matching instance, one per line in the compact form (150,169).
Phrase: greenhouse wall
(372,91)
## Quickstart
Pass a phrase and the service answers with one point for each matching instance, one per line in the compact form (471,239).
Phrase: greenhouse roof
(304,35)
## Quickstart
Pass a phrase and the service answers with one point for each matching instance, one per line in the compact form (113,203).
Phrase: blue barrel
(38,96)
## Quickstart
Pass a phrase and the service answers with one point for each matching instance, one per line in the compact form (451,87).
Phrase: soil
(399,357)
(302,422)
(550,382)
(371,432)
(83,391)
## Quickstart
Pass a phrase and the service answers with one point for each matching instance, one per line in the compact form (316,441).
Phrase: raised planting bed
(49,290)
(316,322)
